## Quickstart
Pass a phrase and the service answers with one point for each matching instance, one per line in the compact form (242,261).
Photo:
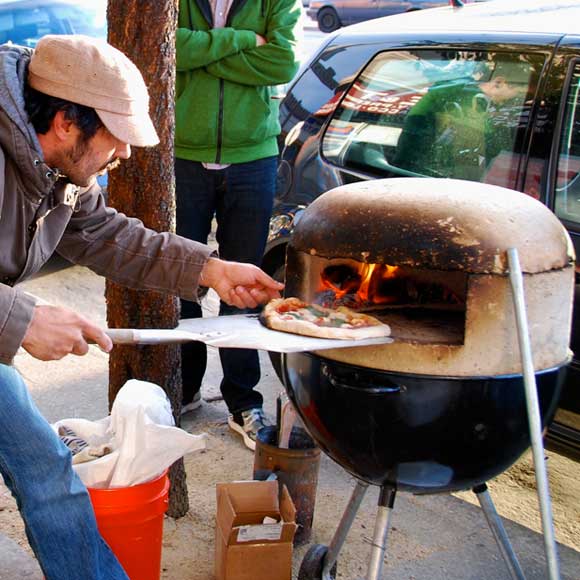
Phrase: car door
(388,7)
(563,196)
(351,11)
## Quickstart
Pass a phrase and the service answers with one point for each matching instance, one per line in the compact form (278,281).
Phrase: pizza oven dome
(429,257)
(439,224)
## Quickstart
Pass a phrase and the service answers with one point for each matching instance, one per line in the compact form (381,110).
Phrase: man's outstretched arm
(55,332)
(237,284)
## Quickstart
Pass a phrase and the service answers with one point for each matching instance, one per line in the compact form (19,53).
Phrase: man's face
(84,160)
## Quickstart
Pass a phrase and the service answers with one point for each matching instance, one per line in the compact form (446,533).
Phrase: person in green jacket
(459,127)
(231,54)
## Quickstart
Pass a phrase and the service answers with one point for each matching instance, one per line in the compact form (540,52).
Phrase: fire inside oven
(419,305)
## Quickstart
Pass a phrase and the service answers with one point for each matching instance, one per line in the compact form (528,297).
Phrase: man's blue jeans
(53,502)
(241,198)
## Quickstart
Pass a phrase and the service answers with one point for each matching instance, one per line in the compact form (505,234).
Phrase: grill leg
(534,414)
(341,532)
(379,545)
(498,530)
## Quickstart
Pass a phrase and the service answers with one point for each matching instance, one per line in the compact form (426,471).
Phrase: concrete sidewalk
(432,537)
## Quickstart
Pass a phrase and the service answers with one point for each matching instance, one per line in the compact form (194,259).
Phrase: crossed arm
(244,56)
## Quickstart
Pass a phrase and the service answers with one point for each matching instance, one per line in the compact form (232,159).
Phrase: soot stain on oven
(411,239)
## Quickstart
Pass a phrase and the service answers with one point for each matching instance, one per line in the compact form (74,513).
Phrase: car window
(323,82)
(567,197)
(26,25)
(87,17)
(459,114)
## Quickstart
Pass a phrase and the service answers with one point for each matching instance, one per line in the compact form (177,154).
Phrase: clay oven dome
(441,224)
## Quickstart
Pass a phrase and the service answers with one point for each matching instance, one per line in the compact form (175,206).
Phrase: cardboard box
(246,548)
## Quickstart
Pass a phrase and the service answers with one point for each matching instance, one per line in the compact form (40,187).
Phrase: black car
(351,115)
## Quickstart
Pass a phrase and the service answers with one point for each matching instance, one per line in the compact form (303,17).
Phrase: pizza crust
(366,326)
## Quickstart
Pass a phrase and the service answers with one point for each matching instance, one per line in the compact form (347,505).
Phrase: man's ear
(64,129)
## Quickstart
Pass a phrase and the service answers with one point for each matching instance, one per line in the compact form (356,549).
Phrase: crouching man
(69,110)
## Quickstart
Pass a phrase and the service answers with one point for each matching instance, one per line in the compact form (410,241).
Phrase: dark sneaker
(195,404)
(247,424)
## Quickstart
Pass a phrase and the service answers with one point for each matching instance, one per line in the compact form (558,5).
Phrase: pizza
(298,317)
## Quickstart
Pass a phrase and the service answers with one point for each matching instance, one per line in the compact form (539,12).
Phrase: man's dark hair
(42,108)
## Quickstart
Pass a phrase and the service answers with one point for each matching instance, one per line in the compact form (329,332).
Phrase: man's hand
(55,332)
(260,40)
(240,285)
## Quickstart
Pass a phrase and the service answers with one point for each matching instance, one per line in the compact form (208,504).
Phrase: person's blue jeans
(241,198)
(53,502)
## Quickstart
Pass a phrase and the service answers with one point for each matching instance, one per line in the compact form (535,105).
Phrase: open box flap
(247,503)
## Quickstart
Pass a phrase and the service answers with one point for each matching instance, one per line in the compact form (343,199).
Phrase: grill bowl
(424,434)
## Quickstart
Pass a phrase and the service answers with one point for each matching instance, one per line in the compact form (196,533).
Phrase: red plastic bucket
(130,520)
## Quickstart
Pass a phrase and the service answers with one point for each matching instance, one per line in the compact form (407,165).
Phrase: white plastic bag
(141,434)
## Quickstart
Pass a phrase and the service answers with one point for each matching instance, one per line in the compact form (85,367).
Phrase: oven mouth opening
(420,306)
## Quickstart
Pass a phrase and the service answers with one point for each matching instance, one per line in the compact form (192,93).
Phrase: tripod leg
(534,414)
(379,545)
(497,529)
(341,532)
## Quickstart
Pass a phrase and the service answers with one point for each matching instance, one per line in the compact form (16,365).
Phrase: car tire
(328,20)
(313,564)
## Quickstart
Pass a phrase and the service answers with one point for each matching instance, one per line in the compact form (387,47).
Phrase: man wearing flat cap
(69,110)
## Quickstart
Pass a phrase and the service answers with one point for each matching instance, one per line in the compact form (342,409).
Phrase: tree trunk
(144,187)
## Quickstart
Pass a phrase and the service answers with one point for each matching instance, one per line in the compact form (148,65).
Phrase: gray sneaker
(191,406)
(247,424)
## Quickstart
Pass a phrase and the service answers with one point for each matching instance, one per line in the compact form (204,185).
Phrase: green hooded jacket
(226,108)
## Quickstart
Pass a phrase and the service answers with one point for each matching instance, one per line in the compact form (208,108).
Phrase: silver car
(332,14)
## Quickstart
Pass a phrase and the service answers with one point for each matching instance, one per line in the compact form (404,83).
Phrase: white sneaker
(247,424)
(195,404)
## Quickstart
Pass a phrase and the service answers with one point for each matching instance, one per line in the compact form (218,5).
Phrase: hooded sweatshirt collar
(17,136)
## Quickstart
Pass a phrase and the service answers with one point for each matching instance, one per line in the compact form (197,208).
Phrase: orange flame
(364,285)
(372,274)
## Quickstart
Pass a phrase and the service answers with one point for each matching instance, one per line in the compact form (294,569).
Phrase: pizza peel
(236,331)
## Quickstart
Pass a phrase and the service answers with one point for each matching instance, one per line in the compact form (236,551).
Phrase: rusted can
(296,467)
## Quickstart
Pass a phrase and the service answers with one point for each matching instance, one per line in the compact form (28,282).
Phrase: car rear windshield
(432,113)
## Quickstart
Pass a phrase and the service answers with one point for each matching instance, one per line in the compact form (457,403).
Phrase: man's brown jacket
(41,213)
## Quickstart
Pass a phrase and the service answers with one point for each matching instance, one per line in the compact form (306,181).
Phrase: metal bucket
(296,467)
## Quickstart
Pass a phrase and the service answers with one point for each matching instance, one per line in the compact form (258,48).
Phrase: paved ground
(433,537)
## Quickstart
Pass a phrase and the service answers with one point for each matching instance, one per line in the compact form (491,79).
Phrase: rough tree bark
(144,187)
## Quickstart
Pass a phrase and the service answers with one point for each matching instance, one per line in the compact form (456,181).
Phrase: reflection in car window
(567,201)
(320,83)
(459,114)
